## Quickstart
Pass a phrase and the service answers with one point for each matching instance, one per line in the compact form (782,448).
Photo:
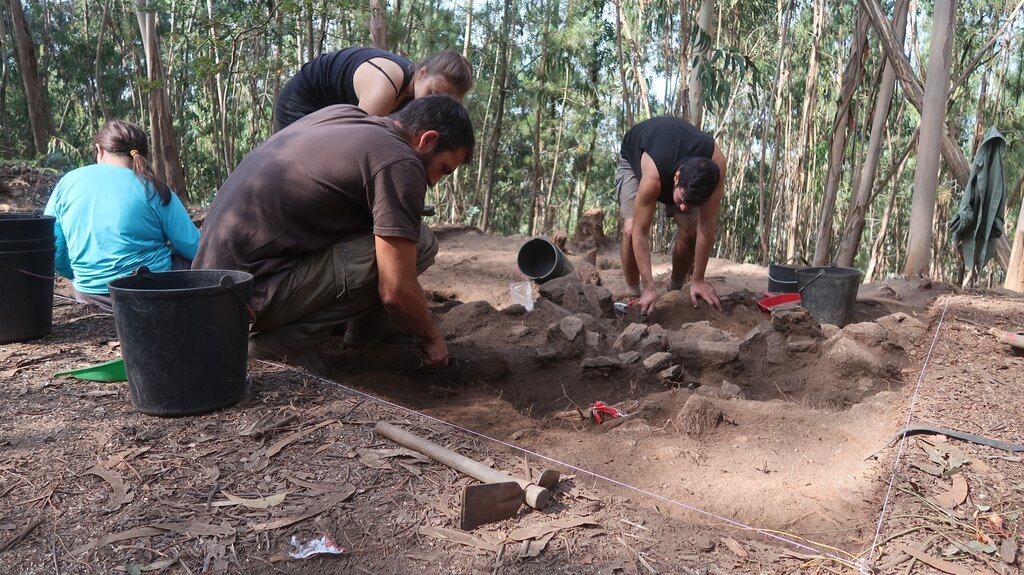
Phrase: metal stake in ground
(494,501)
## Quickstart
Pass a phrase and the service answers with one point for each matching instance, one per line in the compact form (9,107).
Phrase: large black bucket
(541,260)
(184,337)
(829,292)
(782,278)
(26,276)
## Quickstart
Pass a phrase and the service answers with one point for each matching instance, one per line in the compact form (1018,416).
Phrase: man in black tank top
(667,160)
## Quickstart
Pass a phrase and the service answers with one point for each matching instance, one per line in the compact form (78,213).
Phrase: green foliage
(564,110)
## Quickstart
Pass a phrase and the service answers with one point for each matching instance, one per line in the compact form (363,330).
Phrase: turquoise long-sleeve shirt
(108,225)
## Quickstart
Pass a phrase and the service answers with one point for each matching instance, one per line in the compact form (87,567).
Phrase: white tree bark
(705,20)
(933,128)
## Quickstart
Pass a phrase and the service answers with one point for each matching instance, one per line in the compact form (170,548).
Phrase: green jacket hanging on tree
(978,225)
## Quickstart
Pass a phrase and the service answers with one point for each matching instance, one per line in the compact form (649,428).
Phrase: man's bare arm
(707,231)
(643,216)
(403,298)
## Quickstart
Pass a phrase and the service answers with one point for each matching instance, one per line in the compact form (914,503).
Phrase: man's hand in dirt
(647,299)
(702,290)
(435,354)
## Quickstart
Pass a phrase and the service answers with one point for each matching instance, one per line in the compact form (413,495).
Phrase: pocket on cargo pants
(355,265)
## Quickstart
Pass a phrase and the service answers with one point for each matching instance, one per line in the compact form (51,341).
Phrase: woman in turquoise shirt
(117,215)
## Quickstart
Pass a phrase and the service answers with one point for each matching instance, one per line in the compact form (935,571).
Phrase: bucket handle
(230,285)
(28,273)
(814,279)
(142,271)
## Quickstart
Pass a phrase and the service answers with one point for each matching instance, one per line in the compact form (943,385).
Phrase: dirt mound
(24,188)
(443,231)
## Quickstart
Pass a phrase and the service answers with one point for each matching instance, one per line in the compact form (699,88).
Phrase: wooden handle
(535,496)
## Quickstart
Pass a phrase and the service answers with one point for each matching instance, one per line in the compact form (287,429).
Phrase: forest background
(823,132)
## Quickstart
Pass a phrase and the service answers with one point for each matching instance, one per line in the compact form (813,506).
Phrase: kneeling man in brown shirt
(327,216)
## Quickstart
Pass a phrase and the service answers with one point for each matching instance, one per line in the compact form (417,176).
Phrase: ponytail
(123,138)
(144,170)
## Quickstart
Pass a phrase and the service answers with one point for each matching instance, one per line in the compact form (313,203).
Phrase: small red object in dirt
(1013,339)
(770,302)
(601,411)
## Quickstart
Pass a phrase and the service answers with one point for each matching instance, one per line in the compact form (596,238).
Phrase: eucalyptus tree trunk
(539,101)
(4,142)
(583,165)
(635,60)
(39,115)
(841,128)
(627,98)
(806,137)
(469,28)
(933,126)
(504,49)
(219,97)
(549,216)
(307,21)
(1015,269)
(913,88)
(97,70)
(378,25)
(681,108)
(764,203)
(862,199)
(487,125)
(705,21)
(914,91)
(461,174)
(164,154)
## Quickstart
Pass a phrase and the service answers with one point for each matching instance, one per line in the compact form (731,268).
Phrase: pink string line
(860,566)
(903,440)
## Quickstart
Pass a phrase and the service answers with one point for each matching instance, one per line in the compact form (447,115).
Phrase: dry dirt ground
(755,443)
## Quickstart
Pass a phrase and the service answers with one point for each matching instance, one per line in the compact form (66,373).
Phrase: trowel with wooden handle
(498,497)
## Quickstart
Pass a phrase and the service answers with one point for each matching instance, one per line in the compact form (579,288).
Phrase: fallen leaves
(1008,551)
(735,547)
(134,533)
(257,503)
(121,495)
(20,535)
(456,536)
(310,511)
(277,447)
(940,564)
(954,496)
(197,528)
(538,531)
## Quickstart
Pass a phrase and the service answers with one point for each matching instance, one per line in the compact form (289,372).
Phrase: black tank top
(327,80)
(669,141)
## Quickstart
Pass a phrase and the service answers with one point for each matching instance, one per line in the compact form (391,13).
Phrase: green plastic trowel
(110,371)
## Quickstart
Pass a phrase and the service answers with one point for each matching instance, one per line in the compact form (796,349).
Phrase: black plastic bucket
(782,278)
(26,276)
(184,338)
(829,292)
(541,260)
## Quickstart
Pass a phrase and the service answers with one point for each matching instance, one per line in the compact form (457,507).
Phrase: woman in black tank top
(377,81)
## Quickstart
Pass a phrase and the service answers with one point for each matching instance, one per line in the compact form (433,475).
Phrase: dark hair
(127,139)
(453,66)
(443,114)
(698,177)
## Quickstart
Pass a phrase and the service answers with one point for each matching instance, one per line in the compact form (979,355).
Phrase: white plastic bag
(320,546)
(522,294)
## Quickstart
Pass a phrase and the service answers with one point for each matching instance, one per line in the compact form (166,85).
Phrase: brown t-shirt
(333,175)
